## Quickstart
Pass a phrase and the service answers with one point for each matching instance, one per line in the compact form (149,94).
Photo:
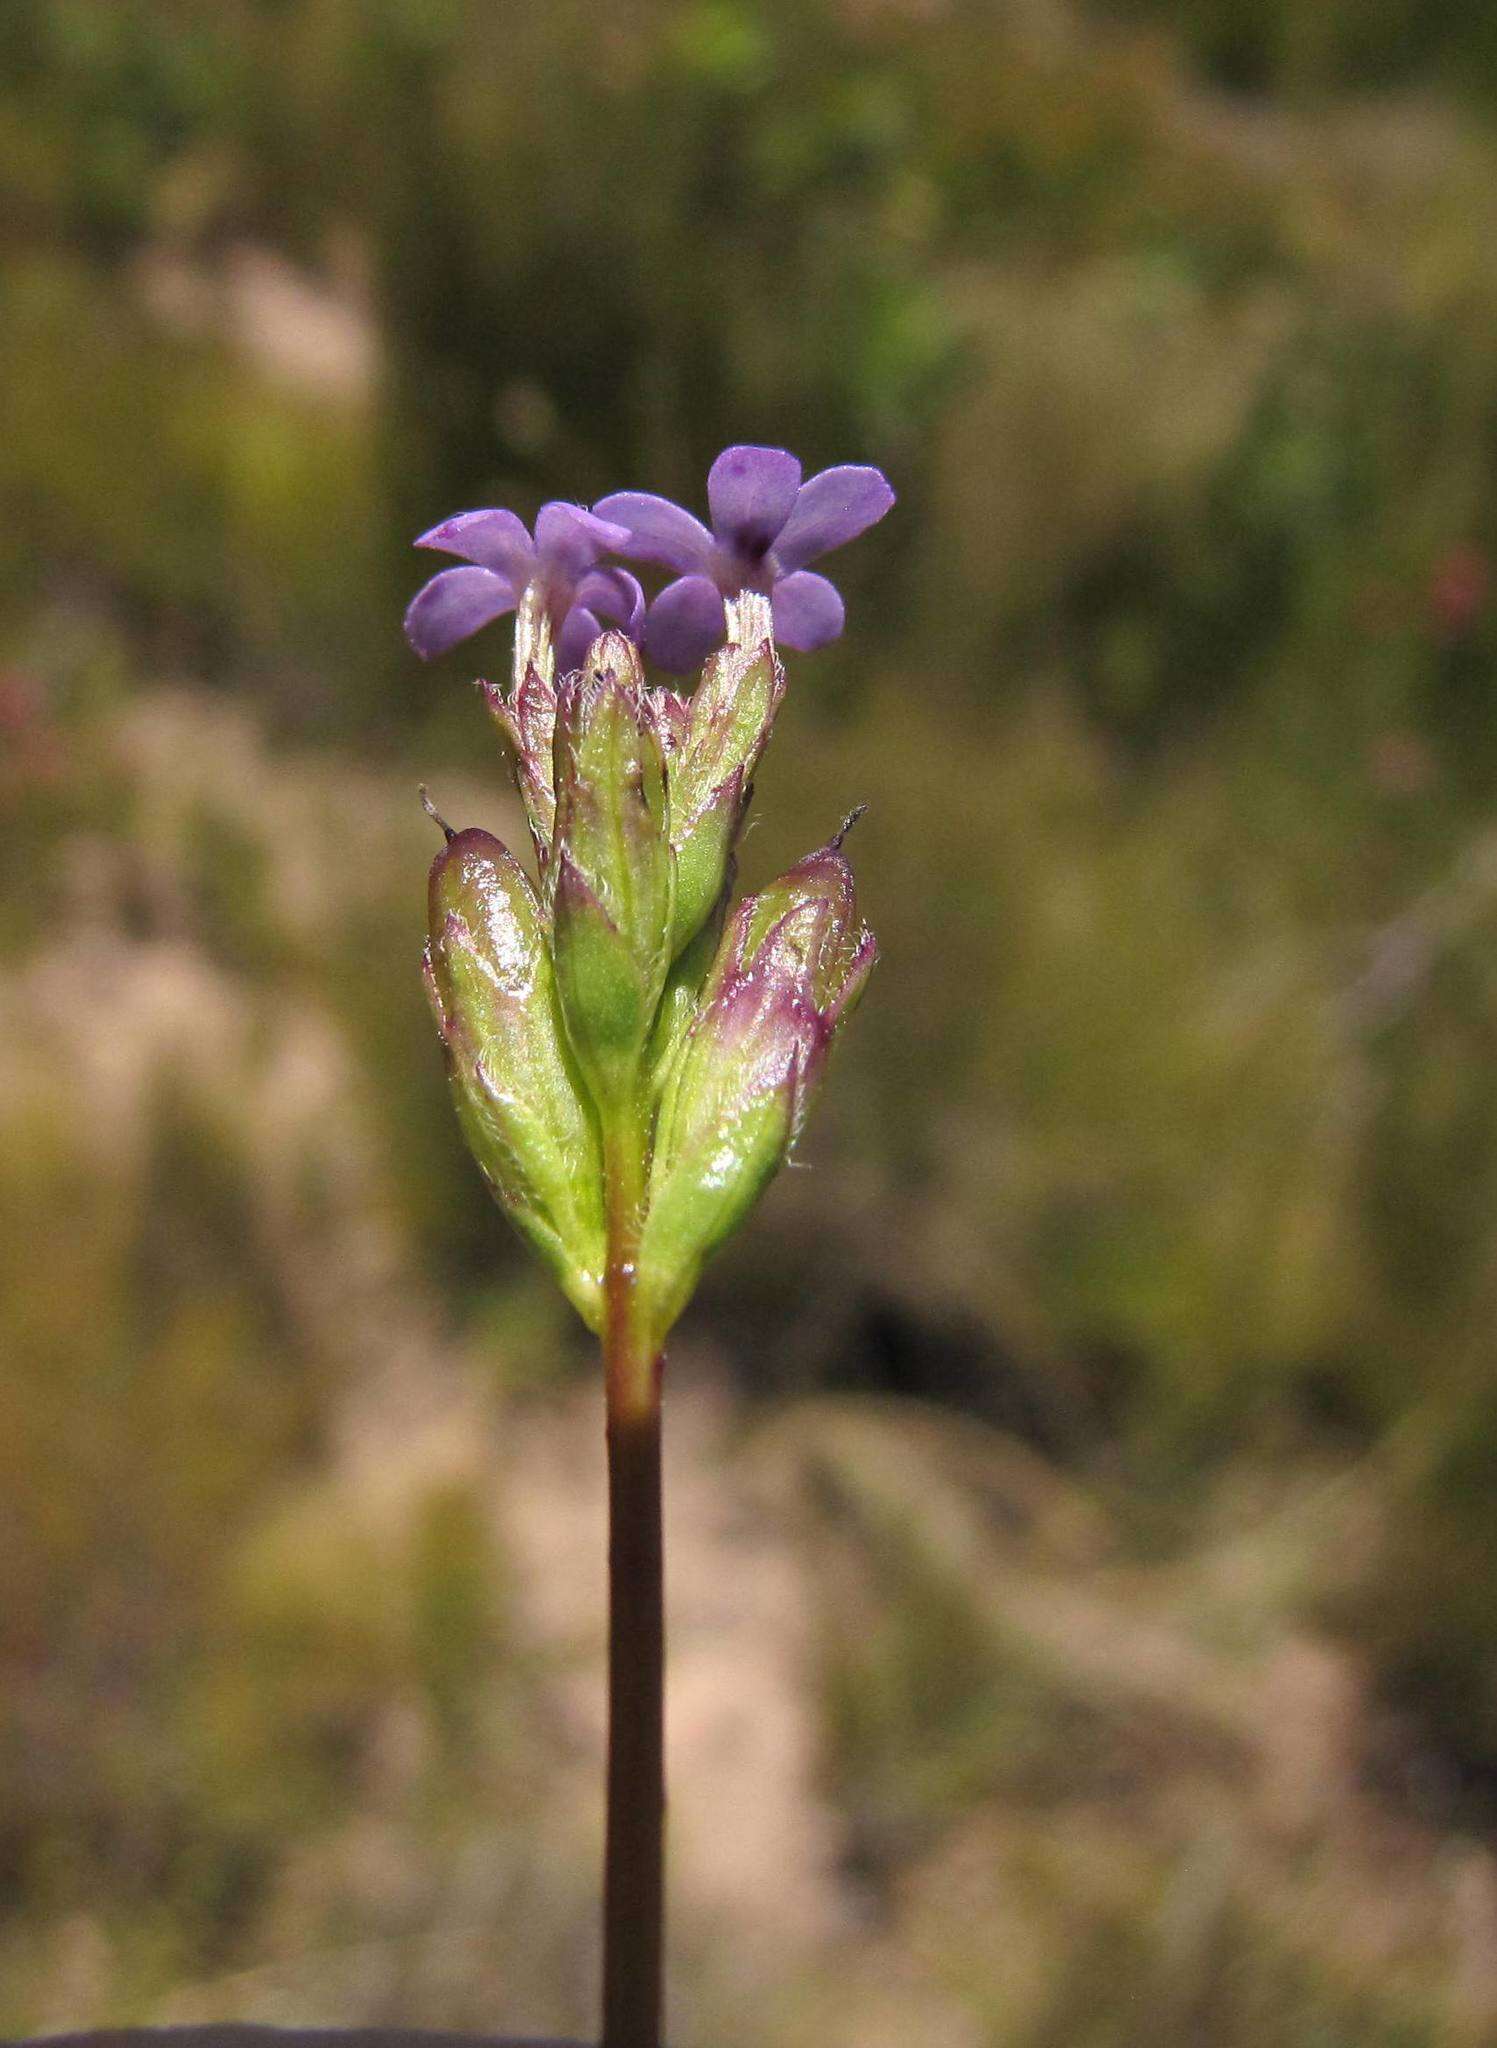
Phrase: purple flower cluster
(766,526)
(560,564)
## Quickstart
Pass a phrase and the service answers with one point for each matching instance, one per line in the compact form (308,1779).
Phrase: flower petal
(579,629)
(685,624)
(454,605)
(658,530)
(832,508)
(752,493)
(569,538)
(616,595)
(495,540)
(808,612)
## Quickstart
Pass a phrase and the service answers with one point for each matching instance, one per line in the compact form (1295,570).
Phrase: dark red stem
(634,1857)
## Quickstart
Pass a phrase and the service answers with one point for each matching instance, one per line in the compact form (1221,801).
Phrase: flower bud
(815,905)
(612,868)
(488,973)
(528,721)
(791,965)
(711,769)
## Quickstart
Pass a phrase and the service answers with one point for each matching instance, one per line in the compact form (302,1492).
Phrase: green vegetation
(1124,1366)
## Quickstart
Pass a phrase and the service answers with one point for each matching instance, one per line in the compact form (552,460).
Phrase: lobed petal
(614,594)
(808,611)
(569,538)
(752,492)
(833,508)
(494,540)
(658,531)
(579,629)
(685,624)
(453,606)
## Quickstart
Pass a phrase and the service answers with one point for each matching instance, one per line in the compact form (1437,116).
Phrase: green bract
(725,731)
(790,967)
(528,721)
(612,866)
(523,1112)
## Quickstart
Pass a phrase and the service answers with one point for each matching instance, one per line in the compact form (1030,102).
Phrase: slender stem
(634,1857)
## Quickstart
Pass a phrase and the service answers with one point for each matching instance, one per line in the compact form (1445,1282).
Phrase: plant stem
(634,1857)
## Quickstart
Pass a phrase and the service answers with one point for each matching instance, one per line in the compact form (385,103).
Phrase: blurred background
(1083,1472)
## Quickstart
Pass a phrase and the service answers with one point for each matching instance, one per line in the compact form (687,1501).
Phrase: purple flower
(561,563)
(766,525)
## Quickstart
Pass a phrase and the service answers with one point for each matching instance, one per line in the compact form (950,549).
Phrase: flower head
(766,525)
(631,1058)
(560,566)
